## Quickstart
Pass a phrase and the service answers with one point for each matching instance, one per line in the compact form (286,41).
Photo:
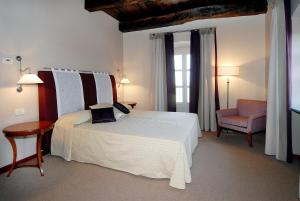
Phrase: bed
(148,143)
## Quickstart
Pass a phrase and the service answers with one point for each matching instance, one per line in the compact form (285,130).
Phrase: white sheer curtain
(103,88)
(206,105)
(159,83)
(69,91)
(276,130)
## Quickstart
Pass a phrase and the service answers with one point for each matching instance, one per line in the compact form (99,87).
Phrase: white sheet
(69,91)
(104,88)
(152,144)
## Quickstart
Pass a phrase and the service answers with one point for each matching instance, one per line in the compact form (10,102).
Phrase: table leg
(39,152)
(14,148)
(37,144)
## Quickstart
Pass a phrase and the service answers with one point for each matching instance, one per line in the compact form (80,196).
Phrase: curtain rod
(68,69)
(179,31)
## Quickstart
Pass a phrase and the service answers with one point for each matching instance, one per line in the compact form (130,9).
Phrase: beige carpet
(223,169)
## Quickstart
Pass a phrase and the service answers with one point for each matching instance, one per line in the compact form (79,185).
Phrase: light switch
(19,111)
(7,60)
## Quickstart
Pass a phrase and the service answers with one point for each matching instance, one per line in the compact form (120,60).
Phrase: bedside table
(131,103)
(38,128)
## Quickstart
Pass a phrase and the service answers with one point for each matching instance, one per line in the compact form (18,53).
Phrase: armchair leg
(219,131)
(249,135)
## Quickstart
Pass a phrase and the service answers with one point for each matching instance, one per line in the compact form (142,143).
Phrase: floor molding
(296,157)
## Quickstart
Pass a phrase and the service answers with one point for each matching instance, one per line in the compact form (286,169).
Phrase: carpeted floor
(223,169)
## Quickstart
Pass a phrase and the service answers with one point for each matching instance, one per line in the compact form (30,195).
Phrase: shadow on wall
(252,78)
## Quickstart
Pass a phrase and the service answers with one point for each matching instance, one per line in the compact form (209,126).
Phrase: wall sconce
(27,78)
(228,71)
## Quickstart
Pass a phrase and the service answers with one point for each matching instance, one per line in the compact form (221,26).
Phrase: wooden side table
(38,128)
(131,103)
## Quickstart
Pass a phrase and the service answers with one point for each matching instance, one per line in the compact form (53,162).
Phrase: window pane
(178,62)
(188,78)
(188,94)
(179,95)
(178,78)
(188,60)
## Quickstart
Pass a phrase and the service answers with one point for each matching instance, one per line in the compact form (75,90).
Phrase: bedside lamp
(228,71)
(124,80)
(27,78)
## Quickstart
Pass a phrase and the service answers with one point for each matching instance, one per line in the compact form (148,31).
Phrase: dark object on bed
(103,115)
(121,107)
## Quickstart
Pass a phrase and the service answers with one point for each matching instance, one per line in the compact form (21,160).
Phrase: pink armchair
(249,117)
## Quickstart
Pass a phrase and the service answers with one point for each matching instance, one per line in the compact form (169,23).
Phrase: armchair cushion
(239,121)
(256,116)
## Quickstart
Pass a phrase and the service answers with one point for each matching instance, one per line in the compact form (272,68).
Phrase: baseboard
(296,157)
(7,167)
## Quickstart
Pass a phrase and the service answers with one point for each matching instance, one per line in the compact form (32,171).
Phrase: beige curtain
(276,130)
(206,104)
(159,83)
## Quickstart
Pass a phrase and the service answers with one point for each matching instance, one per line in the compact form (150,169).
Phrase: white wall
(56,33)
(296,55)
(295,4)
(296,74)
(268,25)
(241,42)
(296,132)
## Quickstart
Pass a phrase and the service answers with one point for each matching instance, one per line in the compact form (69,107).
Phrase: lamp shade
(30,79)
(228,71)
(124,81)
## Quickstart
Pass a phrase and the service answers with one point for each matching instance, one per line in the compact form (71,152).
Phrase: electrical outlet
(7,60)
(19,111)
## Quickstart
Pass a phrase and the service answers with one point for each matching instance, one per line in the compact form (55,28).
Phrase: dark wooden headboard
(48,101)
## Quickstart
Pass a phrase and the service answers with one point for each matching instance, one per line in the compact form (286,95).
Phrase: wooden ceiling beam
(214,11)
(135,15)
(96,5)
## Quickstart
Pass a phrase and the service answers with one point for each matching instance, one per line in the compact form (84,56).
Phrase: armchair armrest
(257,116)
(225,112)
(256,123)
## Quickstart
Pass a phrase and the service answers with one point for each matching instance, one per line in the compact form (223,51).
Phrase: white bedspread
(148,143)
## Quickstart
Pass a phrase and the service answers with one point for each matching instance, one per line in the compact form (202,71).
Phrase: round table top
(28,128)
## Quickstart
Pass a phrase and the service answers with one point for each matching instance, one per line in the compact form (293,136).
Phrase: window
(182,75)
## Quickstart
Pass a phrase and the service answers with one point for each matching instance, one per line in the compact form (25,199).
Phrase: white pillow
(82,117)
(74,118)
(118,114)
(100,105)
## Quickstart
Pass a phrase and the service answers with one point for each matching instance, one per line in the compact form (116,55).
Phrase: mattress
(148,143)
